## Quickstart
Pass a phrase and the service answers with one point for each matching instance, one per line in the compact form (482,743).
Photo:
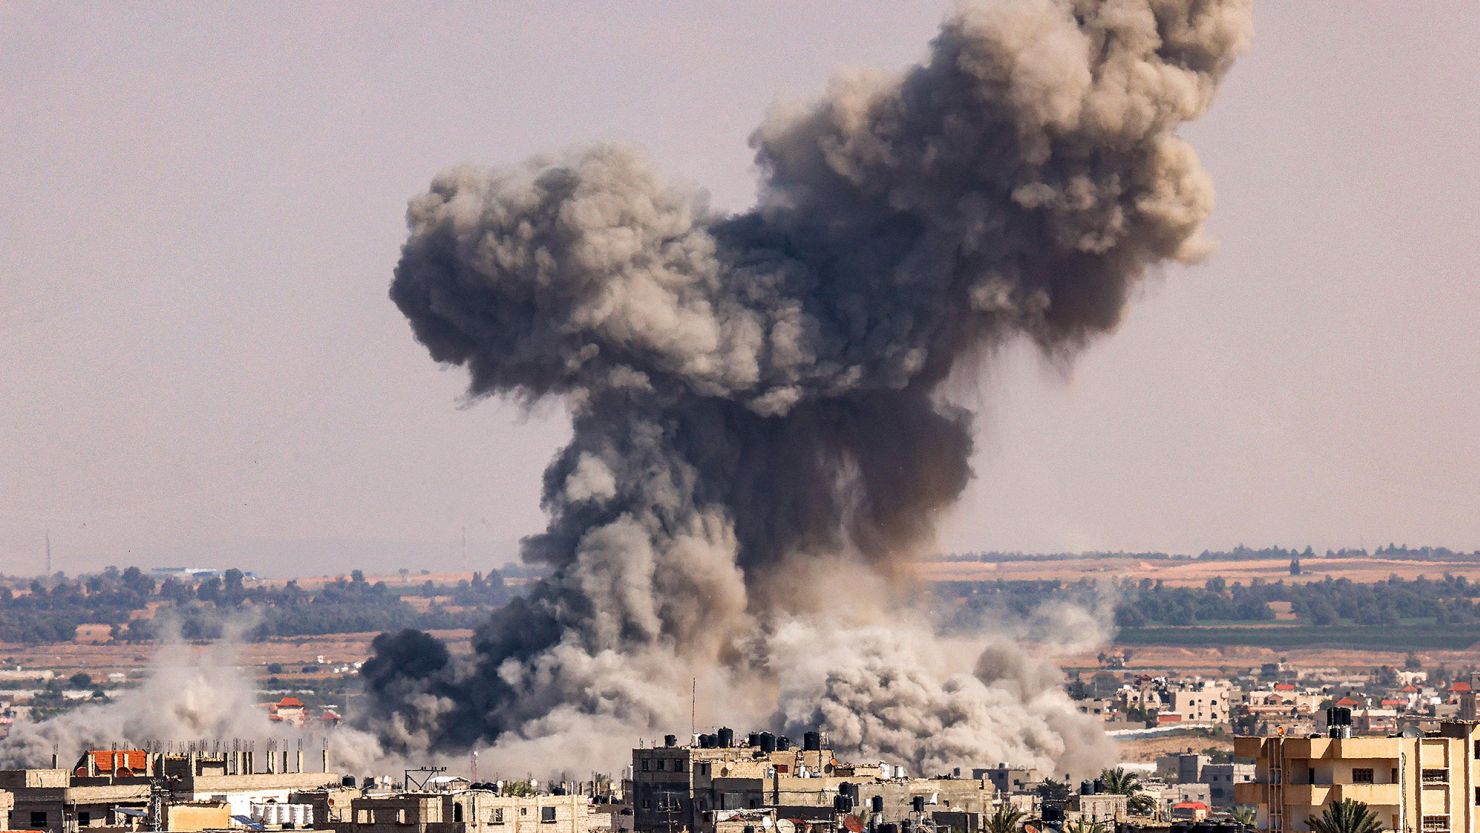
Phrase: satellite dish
(1029,828)
(766,823)
(853,823)
(786,826)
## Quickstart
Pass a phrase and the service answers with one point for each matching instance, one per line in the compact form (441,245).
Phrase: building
(466,811)
(1201,701)
(7,802)
(696,787)
(1182,768)
(1415,782)
(1221,780)
(1009,780)
(108,788)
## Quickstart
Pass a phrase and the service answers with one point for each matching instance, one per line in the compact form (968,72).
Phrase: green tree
(1245,814)
(80,680)
(1345,816)
(1120,781)
(1005,819)
(1082,825)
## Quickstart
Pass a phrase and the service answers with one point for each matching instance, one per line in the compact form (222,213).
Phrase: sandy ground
(293,653)
(1196,573)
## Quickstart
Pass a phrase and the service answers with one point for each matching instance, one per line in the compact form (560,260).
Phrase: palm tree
(1005,819)
(1245,814)
(1119,781)
(1082,825)
(1345,816)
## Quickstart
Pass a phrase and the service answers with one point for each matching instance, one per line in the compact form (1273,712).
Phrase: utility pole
(48,552)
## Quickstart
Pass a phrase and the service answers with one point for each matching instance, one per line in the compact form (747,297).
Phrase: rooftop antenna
(693,705)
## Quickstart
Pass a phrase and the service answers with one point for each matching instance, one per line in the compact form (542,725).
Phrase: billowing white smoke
(189,693)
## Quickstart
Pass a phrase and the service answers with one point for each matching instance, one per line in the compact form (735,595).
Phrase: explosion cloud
(756,398)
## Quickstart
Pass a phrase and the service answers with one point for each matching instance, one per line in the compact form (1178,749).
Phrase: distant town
(1228,736)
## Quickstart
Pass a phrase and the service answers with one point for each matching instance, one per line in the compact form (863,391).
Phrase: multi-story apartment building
(1414,782)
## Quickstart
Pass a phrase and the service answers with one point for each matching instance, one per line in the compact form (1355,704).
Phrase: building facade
(1419,783)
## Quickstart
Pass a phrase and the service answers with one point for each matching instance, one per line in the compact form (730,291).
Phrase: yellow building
(1419,784)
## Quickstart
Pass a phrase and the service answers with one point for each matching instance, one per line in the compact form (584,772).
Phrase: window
(38,819)
(645,763)
(1477,749)
(498,816)
(523,811)
(1436,824)
(647,804)
(1435,776)
(1361,776)
(547,815)
(457,812)
(1477,796)
(84,818)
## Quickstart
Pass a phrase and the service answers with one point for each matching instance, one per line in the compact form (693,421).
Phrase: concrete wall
(181,817)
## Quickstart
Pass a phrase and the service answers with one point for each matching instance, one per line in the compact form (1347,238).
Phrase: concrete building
(697,787)
(7,803)
(1424,783)
(1009,780)
(107,787)
(1108,809)
(1182,767)
(1222,780)
(468,811)
(1201,701)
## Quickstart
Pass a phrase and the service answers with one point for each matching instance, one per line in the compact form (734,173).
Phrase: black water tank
(726,737)
(670,741)
(876,804)
(842,804)
(917,803)
(768,742)
(753,740)
(888,827)
(811,742)
(347,781)
(850,790)
(783,744)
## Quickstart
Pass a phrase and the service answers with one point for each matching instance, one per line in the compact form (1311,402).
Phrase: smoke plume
(755,395)
(188,694)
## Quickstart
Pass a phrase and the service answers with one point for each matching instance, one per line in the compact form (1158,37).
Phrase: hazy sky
(200,207)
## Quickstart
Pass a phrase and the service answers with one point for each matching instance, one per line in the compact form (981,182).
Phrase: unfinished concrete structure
(118,787)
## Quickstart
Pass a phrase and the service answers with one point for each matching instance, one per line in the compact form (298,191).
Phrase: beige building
(697,788)
(7,801)
(1421,784)
(468,811)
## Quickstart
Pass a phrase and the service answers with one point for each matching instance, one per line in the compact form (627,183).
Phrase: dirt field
(1195,573)
(1147,750)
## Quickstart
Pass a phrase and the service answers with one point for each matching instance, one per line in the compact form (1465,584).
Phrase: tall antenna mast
(693,705)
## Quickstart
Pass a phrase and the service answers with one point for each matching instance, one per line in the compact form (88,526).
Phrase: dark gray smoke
(752,393)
